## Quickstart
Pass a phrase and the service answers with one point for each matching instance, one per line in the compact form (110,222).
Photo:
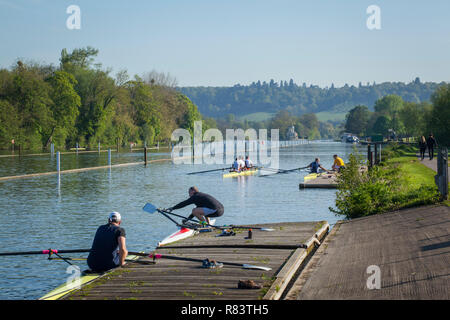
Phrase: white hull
(180,234)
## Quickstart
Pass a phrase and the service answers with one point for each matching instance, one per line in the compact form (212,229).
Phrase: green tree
(440,115)
(357,119)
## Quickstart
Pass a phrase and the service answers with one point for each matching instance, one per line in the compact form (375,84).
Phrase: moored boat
(71,286)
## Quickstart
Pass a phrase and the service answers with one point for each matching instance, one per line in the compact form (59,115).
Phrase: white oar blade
(149,208)
(267,229)
(250,266)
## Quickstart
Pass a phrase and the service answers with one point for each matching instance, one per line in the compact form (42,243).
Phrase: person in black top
(431,142)
(109,246)
(422,146)
(207,206)
(315,166)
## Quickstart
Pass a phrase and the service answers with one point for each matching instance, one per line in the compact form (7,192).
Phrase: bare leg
(198,213)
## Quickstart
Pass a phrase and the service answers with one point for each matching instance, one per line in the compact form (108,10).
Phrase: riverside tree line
(408,119)
(79,101)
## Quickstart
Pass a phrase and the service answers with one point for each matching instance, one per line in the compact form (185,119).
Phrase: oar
(283,171)
(163,256)
(246,227)
(222,169)
(84,259)
(150,208)
(47,251)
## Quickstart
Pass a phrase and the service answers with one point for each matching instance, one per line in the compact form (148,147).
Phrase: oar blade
(150,208)
(250,266)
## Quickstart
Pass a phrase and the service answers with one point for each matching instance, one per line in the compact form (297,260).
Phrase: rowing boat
(311,176)
(234,174)
(71,286)
(180,234)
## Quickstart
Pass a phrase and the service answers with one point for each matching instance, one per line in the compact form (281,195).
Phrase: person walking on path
(422,146)
(431,142)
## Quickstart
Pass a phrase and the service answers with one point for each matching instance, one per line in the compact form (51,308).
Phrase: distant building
(291,134)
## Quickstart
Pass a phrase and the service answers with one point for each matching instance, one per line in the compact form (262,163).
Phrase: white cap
(114,216)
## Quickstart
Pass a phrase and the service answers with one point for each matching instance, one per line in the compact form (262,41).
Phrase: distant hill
(262,98)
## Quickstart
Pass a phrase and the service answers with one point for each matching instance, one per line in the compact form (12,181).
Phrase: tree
(440,116)
(382,125)
(357,119)
(64,108)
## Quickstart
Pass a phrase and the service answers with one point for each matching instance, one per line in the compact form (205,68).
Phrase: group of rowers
(109,246)
(240,164)
(337,166)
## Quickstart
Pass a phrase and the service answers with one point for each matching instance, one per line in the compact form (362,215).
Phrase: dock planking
(179,280)
(325,181)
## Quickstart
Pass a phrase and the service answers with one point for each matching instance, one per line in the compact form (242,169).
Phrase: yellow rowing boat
(238,174)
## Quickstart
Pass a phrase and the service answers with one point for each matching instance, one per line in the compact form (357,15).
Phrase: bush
(383,188)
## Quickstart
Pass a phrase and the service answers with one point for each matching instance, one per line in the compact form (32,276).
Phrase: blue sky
(215,43)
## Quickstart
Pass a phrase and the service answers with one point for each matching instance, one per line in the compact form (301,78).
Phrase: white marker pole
(58,162)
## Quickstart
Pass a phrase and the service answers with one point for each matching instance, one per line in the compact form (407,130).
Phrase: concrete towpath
(408,251)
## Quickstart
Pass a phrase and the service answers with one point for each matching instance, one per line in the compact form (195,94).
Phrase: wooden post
(117,144)
(145,155)
(369,156)
(441,179)
(376,153)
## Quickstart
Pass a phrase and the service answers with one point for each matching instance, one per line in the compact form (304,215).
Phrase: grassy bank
(400,181)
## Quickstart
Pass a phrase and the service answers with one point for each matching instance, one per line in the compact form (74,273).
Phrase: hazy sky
(214,43)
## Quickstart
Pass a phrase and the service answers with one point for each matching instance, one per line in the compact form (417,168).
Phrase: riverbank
(399,181)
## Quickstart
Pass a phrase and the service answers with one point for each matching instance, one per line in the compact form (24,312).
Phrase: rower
(248,163)
(241,163)
(207,205)
(235,166)
(315,166)
(109,246)
(338,163)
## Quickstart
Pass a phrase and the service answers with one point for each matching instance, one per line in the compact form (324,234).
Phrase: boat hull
(180,234)
(69,287)
(238,174)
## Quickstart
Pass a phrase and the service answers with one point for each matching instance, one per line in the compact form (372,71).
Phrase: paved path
(432,164)
(411,247)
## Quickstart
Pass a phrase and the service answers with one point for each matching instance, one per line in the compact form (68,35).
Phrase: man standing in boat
(207,205)
(109,248)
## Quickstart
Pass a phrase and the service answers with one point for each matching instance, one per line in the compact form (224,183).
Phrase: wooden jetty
(409,248)
(285,250)
(325,181)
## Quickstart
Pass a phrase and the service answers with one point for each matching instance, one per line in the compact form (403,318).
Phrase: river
(42,212)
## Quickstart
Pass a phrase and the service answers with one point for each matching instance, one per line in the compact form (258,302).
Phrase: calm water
(41,213)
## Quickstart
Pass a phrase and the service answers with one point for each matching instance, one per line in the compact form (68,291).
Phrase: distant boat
(353,139)
(349,138)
